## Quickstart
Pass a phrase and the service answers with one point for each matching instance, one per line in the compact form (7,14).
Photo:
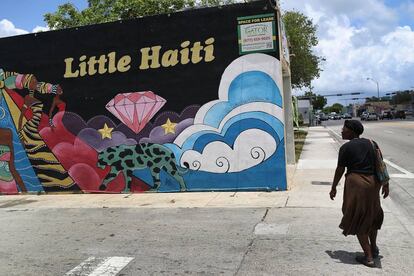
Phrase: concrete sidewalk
(298,233)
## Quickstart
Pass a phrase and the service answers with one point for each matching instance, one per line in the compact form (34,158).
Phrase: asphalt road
(161,241)
(297,235)
(396,140)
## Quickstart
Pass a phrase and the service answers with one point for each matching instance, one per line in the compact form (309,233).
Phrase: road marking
(85,267)
(405,173)
(389,131)
(401,175)
(93,266)
(335,133)
(111,266)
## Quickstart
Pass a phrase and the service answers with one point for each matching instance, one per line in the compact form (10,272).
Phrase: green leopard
(126,159)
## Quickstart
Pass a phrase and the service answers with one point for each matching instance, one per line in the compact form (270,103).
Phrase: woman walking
(362,212)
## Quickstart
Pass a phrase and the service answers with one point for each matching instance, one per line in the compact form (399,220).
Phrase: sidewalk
(303,238)
(313,234)
(298,234)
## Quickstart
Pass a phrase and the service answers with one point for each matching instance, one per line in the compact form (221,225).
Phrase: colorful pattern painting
(192,117)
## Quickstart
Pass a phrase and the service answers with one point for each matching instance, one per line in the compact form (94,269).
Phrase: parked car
(338,117)
(331,116)
(346,116)
(372,116)
(408,113)
(386,114)
(323,117)
(364,116)
(399,114)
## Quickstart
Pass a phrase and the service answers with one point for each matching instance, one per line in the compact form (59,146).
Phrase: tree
(318,101)
(302,37)
(336,107)
(101,11)
(402,97)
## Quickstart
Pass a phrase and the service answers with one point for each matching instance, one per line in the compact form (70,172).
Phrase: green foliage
(212,3)
(336,107)
(300,119)
(318,101)
(101,11)
(302,38)
(372,99)
(402,97)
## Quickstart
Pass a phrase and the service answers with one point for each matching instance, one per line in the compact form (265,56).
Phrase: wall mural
(143,140)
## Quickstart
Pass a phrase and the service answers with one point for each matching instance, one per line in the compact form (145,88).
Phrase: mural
(168,134)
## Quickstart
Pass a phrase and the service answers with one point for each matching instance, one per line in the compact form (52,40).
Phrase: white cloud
(40,29)
(251,147)
(7,28)
(360,39)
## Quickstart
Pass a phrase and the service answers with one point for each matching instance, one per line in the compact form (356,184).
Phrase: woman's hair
(355,126)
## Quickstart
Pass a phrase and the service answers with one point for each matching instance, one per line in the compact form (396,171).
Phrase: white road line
(112,266)
(396,166)
(335,133)
(92,266)
(388,131)
(402,175)
(85,267)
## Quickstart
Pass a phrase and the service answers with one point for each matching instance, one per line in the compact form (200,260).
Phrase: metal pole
(378,90)
(377,86)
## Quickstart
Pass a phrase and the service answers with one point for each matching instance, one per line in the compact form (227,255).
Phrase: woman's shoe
(363,260)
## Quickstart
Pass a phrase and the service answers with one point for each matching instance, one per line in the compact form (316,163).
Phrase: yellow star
(169,127)
(106,132)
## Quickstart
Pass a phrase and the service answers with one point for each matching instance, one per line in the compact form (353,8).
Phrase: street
(395,138)
(291,232)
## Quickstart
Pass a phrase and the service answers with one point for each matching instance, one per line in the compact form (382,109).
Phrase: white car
(371,116)
(364,116)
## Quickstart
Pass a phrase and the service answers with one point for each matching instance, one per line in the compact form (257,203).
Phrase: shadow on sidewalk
(343,256)
(349,257)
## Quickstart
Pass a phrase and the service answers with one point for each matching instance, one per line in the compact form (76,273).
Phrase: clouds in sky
(7,28)
(361,39)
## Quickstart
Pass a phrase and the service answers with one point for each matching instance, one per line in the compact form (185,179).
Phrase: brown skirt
(361,208)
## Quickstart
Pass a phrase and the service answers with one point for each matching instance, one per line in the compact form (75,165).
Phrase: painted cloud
(254,145)
(244,126)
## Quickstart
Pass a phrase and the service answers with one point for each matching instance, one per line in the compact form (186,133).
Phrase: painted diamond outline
(135,109)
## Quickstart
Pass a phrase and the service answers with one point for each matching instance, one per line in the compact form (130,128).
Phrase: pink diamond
(135,109)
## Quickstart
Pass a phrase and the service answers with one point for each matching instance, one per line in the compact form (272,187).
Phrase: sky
(25,16)
(359,39)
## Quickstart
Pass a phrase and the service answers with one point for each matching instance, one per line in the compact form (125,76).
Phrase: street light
(377,85)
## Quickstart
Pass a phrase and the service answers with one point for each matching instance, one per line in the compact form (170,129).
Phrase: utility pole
(377,86)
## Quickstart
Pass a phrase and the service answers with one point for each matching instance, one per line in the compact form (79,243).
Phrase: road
(291,232)
(395,138)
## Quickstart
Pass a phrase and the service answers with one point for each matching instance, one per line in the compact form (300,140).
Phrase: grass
(299,137)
